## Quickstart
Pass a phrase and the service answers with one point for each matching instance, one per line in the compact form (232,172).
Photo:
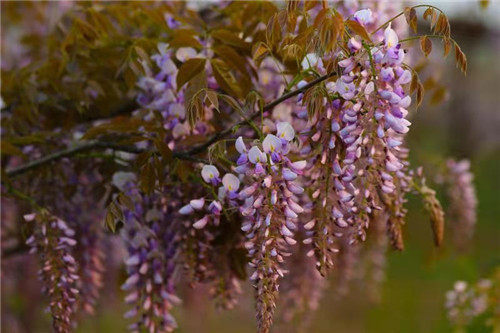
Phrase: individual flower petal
(185,53)
(296,189)
(200,224)
(186,210)
(180,130)
(405,77)
(310,60)
(271,144)
(29,217)
(197,203)
(285,131)
(289,174)
(390,37)
(363,16)
(346,90)
(231,182)
(243,159)
(209,173)
(255,155)
(299,165)
(215,207)
(240,145)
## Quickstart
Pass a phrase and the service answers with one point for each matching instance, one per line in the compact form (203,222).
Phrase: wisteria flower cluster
(269,154)
(53,240)
(466,302)
(463,200)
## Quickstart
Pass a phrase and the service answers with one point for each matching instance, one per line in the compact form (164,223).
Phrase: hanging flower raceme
(463,201)
(203,231)
(52,240)
(270,209)
(226,194)
(151,247)
(91,260)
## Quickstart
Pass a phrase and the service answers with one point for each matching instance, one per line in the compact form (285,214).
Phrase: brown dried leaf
(110,220)
(293,52)
(436,213)
(320,17)
(442,26)
(308,5)
(414,81)
(461,59)
(411,18)
(314,101)
(425,45)
(232,102)
(428,14)
(8,148)
(395,231)
(446,46)
(328,33)
(420,93)
(273,31)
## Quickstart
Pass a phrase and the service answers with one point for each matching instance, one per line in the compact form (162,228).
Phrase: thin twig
(188,155)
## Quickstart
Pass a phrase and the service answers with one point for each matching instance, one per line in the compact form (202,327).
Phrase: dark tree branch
(15,250)
(222,134)
(188,155)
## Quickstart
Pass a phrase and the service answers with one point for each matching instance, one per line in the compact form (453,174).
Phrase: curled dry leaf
(425,45)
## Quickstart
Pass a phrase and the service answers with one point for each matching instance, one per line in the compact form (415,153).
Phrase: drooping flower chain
(52,240)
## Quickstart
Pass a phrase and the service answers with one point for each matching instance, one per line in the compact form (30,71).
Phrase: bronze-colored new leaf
(259,52)
(212,97)
(358,29)
(190,69)
(224,78)
(230,38)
